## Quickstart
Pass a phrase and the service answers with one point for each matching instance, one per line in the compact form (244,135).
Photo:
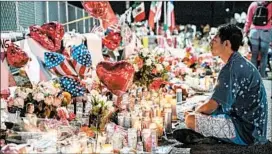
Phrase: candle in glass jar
(121,119)
(136,122)
(154,134)
(146,135)
(174,109)
(146,122)
(168,98)
(168,121)
(159,122)
(106,148)
(127,120)
(132,138)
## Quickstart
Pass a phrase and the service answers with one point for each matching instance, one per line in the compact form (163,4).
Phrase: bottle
(139,141)
(179,96)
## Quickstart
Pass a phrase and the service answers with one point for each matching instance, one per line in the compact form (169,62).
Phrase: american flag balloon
(72,86)
(82,60)
(59,64)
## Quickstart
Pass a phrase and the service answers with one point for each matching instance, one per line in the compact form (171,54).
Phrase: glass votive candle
(117,141)
(159,122)
(132,138)
(127,120)
(146,136)
(146,122)
(121,119)
(168,98)
(136,122)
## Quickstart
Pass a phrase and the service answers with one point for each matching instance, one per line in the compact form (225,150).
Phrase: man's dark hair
(232,33)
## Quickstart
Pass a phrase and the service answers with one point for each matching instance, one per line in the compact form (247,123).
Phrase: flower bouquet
(100,111)
(149,64)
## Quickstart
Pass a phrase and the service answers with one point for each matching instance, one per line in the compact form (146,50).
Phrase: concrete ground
(233,149)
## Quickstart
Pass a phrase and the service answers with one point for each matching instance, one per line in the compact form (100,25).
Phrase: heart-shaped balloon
(49,35)
(112,40)
(96,9)
(101,10)
(16,57)
(116,76)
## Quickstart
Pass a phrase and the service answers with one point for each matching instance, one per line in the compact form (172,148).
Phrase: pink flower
(63,113)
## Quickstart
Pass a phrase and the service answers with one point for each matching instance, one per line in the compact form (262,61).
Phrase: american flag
(59,64)
(82,60)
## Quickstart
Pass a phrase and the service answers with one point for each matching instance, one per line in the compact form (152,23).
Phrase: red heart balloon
(112,40)
(16,57)
(49,35)
(116,76)
(96,9)
(101,10)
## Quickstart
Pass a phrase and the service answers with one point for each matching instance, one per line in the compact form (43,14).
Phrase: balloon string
(77,20)
(80,19)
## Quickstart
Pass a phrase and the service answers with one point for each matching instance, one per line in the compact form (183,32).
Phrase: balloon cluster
(71,69)
(115,35)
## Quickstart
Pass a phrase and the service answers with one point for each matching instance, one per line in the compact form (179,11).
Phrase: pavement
(179,148)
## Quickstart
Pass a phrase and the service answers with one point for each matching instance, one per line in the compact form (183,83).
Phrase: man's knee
(190,121)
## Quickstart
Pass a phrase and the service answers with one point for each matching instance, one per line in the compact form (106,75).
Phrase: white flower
(104,98)
(94,92)
(19,102)
(109,104)
(136,67)
(145,52)
(99,105)
(159,67)
(39,96)
(165,64)
(148,62)
(23,94)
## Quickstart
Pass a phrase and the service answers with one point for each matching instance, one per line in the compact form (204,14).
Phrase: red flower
(168,68)
(157,83)
(72,116)
(87,130)
(139,61)
(154,71)
(161,59)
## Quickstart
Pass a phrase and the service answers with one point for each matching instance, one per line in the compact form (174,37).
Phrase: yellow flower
(66,97)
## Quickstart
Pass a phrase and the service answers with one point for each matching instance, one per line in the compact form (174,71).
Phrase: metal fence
(19,15)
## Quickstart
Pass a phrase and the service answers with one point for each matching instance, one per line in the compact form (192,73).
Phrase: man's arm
(208,107)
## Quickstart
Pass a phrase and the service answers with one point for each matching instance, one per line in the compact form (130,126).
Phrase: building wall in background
(18,16)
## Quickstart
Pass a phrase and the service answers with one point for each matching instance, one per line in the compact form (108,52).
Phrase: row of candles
(146,121)
(145,118)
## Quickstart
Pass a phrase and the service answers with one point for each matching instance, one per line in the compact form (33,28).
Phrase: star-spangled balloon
(53,59)
(72,86)
(82,59)
(59,64)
